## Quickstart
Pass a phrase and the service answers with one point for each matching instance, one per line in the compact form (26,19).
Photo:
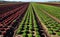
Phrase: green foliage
(58,33)
(24,34)
(51,24)
(38,36)
(30,35)
(51,10)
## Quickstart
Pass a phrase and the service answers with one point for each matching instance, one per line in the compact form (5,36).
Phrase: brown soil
(53,4)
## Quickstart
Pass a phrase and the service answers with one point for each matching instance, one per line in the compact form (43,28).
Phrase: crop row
(7,26)
(13,10)
(28,27)
(52,25)
(8,7)
(51,10)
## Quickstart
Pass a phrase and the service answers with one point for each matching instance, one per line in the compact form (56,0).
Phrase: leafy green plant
(30,35)
(24,34)
(38,36)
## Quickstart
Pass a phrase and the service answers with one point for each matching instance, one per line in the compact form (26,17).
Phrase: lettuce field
(28,19)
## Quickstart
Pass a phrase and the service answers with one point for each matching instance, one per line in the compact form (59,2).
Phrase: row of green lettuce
(53,10)
(51,24)
(28,25)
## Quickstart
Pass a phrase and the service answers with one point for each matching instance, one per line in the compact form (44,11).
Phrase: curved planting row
(52,26)
(8,25)
(29,26)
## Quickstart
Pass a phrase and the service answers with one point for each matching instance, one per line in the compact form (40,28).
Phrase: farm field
(28,19)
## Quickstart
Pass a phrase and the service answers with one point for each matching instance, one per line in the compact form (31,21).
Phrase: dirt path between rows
(56,19)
